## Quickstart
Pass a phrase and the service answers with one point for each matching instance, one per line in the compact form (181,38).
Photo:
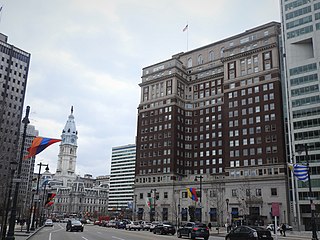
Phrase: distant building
(14,68)
(27,170)
(122,179)
(301,38)
(212,119)
(75,195)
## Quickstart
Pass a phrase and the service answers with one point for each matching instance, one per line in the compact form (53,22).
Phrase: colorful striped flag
(39,144)
(300,171)
(192,193)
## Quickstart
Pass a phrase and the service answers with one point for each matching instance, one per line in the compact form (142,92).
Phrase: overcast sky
(90,55)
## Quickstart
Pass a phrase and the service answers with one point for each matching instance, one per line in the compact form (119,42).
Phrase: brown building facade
(213,114)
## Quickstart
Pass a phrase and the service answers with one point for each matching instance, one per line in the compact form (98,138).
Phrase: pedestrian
(284,228)
(209,226)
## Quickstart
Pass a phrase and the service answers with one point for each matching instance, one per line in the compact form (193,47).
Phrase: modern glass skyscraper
(122,178)
(301,42)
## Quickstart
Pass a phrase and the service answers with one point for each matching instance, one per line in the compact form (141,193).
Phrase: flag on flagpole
(149,201)
(192,193)
(49,200)
(39,144)
(300,171)
(185,28)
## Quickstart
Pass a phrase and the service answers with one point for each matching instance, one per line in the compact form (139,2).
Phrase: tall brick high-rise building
(214,114)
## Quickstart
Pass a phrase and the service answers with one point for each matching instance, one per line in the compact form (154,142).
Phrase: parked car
(153,225)
(74,225)
(120,225)
(96,223)
(194,230)
(111,223)
(145,225)
(133,226)
(249,233)
(48,223)
(164,228)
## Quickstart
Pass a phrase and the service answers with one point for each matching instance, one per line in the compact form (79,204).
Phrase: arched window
(222,52)
(211,56)
(189,62)
(200,59)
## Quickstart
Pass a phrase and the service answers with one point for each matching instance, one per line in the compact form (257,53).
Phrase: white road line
(99,232)
(118,238)
(50,236)
(84,238)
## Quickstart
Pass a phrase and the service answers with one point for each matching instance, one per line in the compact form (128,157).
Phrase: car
(74,225)
(164,228)
(133,226)
(120,225)
(48,223)
(111,223)
(249,233)
(194,230)
(97,222)
(153,225)
(145,225)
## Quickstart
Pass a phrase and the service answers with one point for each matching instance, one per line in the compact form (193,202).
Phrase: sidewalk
(302,234)
(21,233)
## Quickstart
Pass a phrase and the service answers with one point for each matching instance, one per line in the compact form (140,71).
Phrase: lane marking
(50,236)
(85,238)
(118,238)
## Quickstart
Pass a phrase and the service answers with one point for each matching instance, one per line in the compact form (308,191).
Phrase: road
(58,232)
(91,232)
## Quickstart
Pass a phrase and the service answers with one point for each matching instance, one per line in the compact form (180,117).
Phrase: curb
(38,229)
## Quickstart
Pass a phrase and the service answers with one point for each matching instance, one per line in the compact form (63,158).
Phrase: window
(200,59)
(231,70)
(189,62)
(211,56)
(274,192)
(258,192)
(234,192)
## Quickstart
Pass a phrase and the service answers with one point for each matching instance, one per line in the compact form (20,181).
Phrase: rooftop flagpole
(186,28)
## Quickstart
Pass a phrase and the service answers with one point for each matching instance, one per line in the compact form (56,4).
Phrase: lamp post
(7,199)
(304,147)
(154,215)
(134,206)
(36,200)
(227,201)
(200,179)
(12,222)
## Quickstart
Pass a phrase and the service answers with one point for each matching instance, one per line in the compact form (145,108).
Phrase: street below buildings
(91,232)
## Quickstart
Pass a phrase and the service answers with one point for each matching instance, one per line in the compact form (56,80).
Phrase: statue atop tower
(67,157)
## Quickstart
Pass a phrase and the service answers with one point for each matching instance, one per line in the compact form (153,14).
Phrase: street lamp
(227,201)
(200,179)
(12,222)
(153,209)
(37,198)
(7,199)
(300,148)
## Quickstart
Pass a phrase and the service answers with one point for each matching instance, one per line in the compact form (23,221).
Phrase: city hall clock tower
(67,157)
